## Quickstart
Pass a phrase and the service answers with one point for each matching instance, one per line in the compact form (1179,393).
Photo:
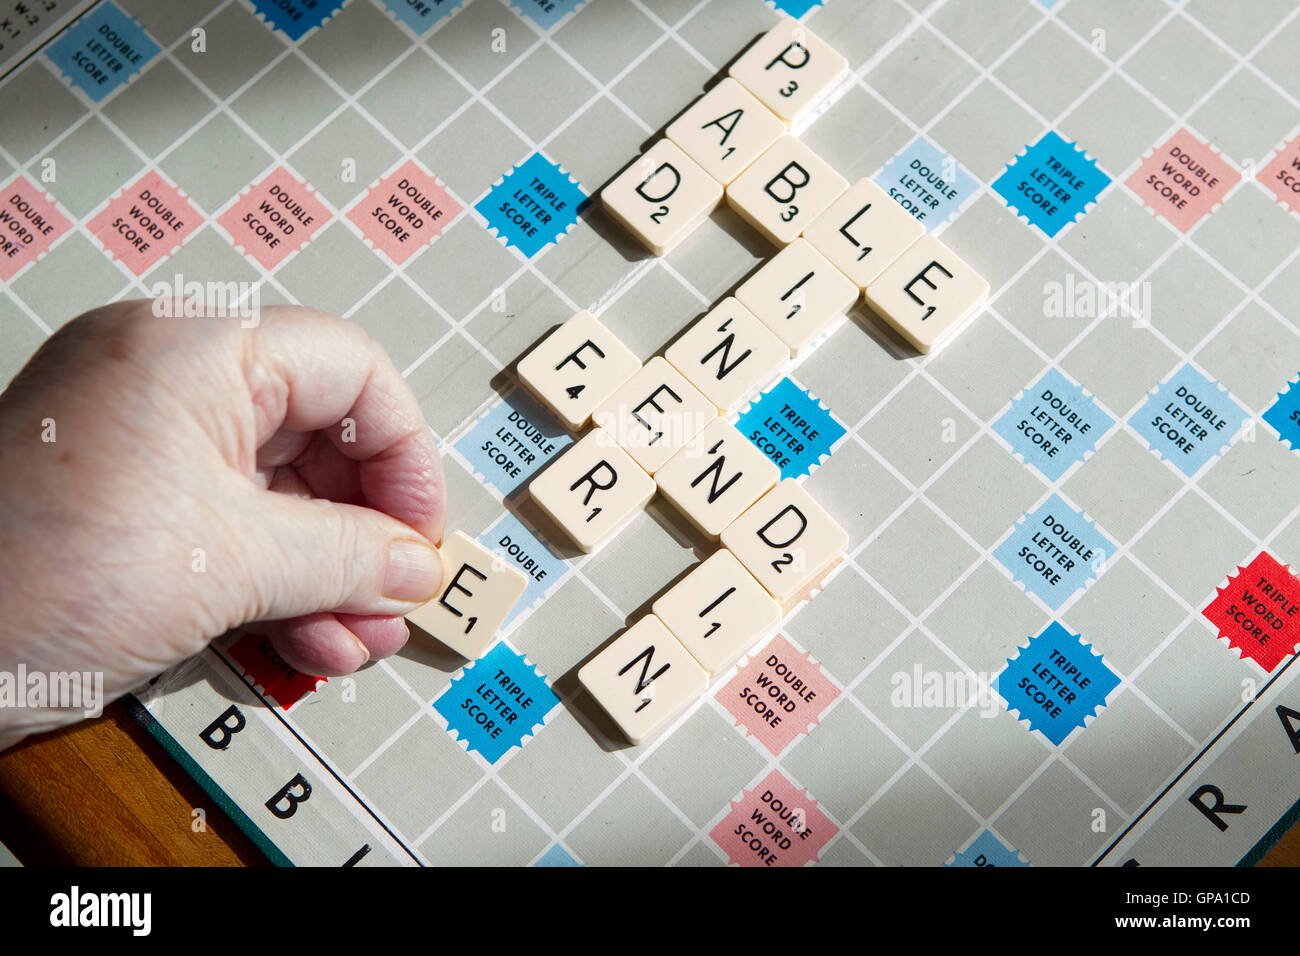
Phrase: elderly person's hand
(163,480)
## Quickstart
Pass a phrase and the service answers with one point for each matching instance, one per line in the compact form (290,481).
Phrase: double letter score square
(662,196)
(577,367)
(478,591)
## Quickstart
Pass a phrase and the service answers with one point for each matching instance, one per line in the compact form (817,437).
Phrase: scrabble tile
(662,196)
(789,69)
(644,678)
(478,591)
(863,231)
(728,355)
(926,293)
(797,293)
(592,490)
(577,367)
(725,130)
(784,190)
(716,477)
(718,611)
(785,540)
(654,414)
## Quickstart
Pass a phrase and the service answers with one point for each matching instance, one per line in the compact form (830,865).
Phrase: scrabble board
(1062,630)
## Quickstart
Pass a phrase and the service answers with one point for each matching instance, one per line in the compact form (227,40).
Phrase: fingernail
(365,653)
(414,572)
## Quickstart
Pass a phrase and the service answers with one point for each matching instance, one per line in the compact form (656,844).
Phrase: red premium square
(29,224)
(1257,613)
(775,824)
(264,668)
(145,222)
(1183,180)
(275,217)
(404,212)
(780,694)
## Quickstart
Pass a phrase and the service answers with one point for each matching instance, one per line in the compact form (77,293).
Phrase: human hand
(163,480)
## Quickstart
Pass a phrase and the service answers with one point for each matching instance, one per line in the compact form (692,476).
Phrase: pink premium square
(1183,180)
(778,695)
(29,224)
(275,217)
(404,212)
(147,220)
(1282,175)
(775,824)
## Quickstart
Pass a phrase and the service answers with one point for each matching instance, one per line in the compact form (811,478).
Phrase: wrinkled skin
(206,473)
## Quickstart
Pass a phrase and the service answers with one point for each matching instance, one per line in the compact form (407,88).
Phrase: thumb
(319,555)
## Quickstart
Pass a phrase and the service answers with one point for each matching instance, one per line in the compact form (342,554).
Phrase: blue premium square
(422,15)
(1284,415)
(546,13)
(795,8)
(1051,183)
(987,850)
(1056,683)
(1054,551)
(792,428)
(512,441)
(533,205)
(927,182)
(102,51)
(556,856)
(295,17)
(1053,424)
(1188,420)
(518,546)
(496,702)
